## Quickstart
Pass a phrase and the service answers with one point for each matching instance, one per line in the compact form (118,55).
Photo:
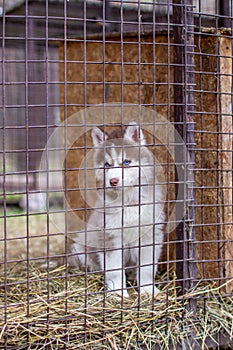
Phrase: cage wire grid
(75,75)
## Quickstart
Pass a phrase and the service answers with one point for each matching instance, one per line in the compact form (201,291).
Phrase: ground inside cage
(26,235)
(48,310)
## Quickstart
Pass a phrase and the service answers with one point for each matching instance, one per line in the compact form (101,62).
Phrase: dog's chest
(130,217)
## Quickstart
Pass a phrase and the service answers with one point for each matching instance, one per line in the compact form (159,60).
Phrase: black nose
(114,182)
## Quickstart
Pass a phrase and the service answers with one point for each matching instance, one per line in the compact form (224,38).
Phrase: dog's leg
(148,268)
(77,257)
(115,277)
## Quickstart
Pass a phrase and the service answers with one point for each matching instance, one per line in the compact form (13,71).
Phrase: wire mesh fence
(116,174)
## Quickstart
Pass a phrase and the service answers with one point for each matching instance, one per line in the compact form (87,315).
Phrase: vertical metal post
(36,98)
(3,148)
(183,32)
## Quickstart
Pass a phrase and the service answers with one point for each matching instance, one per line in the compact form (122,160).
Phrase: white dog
(125,230)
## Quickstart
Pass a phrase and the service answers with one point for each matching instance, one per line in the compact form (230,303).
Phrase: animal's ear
(135,134)
(98,137)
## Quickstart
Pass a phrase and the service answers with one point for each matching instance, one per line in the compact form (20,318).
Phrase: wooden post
(225,161)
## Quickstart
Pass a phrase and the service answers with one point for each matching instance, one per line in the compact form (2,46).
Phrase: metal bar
(65,162)
(183,116)
(4,190)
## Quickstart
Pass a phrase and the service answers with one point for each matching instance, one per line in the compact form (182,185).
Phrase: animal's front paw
(149,291)
(118,294)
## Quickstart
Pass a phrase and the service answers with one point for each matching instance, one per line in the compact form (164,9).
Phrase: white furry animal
(125,230)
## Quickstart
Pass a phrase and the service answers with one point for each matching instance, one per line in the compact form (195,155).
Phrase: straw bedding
(66,309)
(62,307)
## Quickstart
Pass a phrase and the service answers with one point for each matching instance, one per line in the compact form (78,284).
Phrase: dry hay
(64,308)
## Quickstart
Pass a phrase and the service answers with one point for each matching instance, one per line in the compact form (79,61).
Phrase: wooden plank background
(152,84)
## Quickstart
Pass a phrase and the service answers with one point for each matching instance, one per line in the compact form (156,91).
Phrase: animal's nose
(114,181)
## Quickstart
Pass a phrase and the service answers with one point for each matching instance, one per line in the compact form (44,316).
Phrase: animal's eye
(126,162)
(107,165)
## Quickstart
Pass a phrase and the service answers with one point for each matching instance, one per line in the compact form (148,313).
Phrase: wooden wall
(98,79)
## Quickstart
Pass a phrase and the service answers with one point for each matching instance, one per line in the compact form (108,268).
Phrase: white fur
(125,229)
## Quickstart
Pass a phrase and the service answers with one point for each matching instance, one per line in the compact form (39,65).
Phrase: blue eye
(107,165)
(126,162)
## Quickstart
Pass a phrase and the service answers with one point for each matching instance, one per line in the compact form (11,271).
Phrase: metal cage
(116,144)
